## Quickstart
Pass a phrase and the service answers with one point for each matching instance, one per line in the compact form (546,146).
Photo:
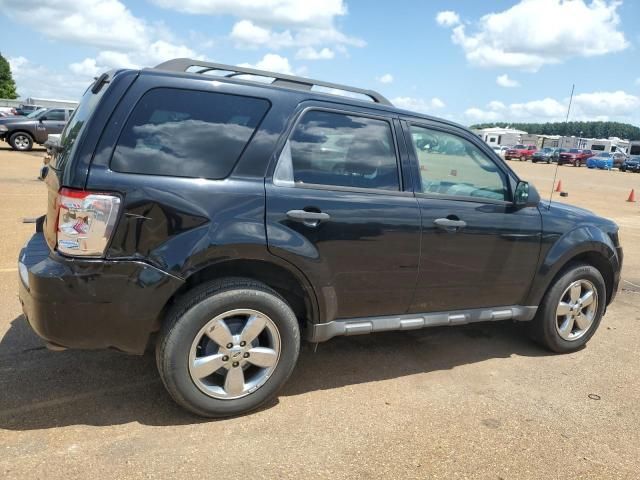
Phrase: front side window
(187,133)
(337,149)
(450,165)
(56,115)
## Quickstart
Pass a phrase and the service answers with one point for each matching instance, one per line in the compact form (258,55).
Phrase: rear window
(74,127)
(187,133)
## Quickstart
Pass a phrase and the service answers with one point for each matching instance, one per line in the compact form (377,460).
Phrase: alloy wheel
(21,142)
(234,354)
(576,310)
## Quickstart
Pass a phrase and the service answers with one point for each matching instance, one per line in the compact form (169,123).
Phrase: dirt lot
(472,402)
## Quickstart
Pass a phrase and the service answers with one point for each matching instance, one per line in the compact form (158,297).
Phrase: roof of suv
(187,67)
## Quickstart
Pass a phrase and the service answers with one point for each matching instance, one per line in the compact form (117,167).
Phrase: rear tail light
(85,221)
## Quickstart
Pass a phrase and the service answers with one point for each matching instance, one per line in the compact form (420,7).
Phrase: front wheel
(227,347)
(571,310)
(21,141)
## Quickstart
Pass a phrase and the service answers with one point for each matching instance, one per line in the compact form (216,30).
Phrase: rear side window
(187,133)
(336,149)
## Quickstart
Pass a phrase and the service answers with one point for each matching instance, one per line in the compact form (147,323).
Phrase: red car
(520,152)
(575,156)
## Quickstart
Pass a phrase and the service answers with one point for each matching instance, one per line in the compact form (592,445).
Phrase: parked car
(7,111)
(212,214)
(592,162)
(603,161)
(22,132)
(25,109)
(631,164)
(520,152)
(547,154)
(500,150)
(618,158)
(575,156)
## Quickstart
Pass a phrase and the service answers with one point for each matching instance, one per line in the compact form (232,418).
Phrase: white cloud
(386,78)
(98,23)
(496,105)
(270,12)
(277,23)
(533,33)
(476,115)
(246,34)
(124,39)
(29,80)
(447,18)
(617,105)
(87,67)
(418,104)
(272,63)
(505,81)
(310,53)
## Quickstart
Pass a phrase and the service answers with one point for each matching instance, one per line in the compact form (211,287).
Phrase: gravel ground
(479,401)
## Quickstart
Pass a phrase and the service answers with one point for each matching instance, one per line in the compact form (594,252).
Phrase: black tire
(21,141)
(192,312)
(543,327)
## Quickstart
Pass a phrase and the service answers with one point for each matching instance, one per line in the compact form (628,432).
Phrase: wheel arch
(20,130)
(587,244)
(292,286)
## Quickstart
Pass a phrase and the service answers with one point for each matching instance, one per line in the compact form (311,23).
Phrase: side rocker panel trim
(358,326)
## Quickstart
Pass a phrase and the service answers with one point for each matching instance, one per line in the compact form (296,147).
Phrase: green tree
(7,85)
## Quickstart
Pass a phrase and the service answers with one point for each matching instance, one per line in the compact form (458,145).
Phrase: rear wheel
(21,141)
(571,310)
(227,347)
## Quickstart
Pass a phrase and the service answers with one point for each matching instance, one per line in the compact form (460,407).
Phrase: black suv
(235,213)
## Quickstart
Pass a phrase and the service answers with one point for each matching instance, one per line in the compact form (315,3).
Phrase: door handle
(449,224)
(310,219)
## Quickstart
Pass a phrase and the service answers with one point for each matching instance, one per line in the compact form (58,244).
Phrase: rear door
(338,209)
(478,250)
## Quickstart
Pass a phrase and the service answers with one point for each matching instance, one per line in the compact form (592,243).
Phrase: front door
(337,210)
(53,121)
(478,249)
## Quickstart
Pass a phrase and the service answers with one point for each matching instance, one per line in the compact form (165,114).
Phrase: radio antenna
(566,121)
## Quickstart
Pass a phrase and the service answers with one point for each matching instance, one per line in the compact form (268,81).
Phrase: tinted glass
(187,133)
(344,150)
(55,115)
(451,165)
(75,126)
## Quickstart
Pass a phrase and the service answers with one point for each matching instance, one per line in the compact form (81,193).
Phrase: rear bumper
(91,304)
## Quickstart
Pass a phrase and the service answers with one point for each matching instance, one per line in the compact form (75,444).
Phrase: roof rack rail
(280,79)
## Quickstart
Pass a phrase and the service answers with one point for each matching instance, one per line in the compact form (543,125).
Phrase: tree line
(576,129)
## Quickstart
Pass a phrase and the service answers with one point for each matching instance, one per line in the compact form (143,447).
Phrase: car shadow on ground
(37,149)
(43,389)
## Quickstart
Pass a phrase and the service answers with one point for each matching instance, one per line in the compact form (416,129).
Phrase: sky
(468,61)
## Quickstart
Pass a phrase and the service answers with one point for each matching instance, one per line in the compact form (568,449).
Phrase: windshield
(36,113)
(574,150)
(604,154)
(546,150)
(519,147)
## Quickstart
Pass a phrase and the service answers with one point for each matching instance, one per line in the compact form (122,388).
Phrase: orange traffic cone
(559,187)
(632,196)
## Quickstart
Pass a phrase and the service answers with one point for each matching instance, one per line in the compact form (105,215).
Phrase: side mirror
(525,195)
